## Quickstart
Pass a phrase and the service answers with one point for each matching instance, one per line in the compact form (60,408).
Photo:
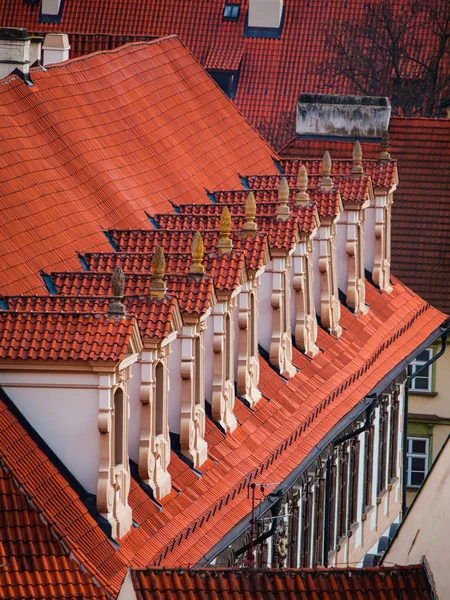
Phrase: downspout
(275,510)
(337,442)
(405,414)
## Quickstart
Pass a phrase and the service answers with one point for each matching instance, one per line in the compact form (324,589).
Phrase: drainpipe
(275,510)
(337,442)
(405,414)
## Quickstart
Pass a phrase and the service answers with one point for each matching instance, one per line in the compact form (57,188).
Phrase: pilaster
(305,313)
(330,308)
(356,290)
(281,339)
(382,258)
(248,357)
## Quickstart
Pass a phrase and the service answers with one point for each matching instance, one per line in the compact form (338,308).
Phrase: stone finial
(357,168)
(302,181)
(116,307)
(250,214)
(326,183)
(283,211)
(198,252)
(157,285)
(384,154)
(225,244)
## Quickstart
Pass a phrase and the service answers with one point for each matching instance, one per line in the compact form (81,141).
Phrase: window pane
(419,446)
(417,478)
(421,383)
(423,356)
(235,11)
(418,464)
(227,11)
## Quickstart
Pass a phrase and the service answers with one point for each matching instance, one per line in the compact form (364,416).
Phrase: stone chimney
(265,13)
(56,48)
(15,46)
(354,117)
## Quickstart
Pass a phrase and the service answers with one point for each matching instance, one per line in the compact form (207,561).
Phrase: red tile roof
(100,160)
(63,336)
(224,58)
(395,583)
(420,214)
(273,72)
(34,562)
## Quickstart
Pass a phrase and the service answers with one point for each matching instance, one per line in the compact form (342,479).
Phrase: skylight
(231,12)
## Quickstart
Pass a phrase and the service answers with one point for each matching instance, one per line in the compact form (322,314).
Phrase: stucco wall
(65,417)
(265,308)
(175,386)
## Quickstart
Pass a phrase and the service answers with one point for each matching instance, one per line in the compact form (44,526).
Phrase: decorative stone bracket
(154,445)
(114,477)
(305,313)
(222,402)
(192,426)
(330,308)
(281,340)
(248,358)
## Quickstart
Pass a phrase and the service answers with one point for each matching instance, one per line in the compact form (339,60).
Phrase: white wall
(65,418)
(209,357)
(315,261)
(265,308)
(175,386)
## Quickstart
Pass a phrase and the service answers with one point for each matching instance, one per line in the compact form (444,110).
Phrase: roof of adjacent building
(395,583)
(33,561)
(272,72)
(108,141)
(421,209)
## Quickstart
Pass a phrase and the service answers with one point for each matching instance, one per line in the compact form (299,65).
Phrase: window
(368,450)
(395,416)
(252,328)
(197,370)
(343,490)
(353,482)
(231,12)
(159,393)
(225,81)
(382,448)
(417,461)
(332,505)
(228,374)
(305,551)
(424,381)
(118,427)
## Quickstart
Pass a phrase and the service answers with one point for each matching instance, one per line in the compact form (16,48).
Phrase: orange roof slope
(395,583)
(421,210)
(63,336)
(34,563)
(273,72)
(99,140)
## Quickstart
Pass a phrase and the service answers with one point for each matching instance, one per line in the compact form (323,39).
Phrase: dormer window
(223,65)
(231,12)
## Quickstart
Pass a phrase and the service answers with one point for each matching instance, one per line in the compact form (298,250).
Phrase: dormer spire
(116,307)
(157,285)
(326,182)
(250,226)
(283,212)
(198,252)
(302,182)
(225,244)
(357,168)
(384,154)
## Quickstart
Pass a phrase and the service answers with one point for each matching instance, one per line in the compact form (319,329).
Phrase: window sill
(381,495)
(424,393)
(353,527)
(392,483)
(366,512)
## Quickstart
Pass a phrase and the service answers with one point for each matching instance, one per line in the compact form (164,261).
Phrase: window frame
(410,455)
(235,11)
(430,376)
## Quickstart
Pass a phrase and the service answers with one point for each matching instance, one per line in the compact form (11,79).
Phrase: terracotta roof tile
(63,336)
(89,161)
(224,58)
(397,583)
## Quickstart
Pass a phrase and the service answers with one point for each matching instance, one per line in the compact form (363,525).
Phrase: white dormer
(265,13)
(50,8)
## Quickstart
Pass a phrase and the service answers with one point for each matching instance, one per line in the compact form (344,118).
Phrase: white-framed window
(417,461)
(424,381)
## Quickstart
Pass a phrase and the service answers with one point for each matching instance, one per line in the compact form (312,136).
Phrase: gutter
(329,438)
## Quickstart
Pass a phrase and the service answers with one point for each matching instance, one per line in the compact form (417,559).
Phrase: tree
(396,49)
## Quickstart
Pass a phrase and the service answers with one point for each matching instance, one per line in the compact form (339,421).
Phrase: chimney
(50,8)
(265,13)
(56,48)
(14,51)
(354,117)
(36,51)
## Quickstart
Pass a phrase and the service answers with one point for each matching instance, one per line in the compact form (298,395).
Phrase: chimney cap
(14,33)
(56,41)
